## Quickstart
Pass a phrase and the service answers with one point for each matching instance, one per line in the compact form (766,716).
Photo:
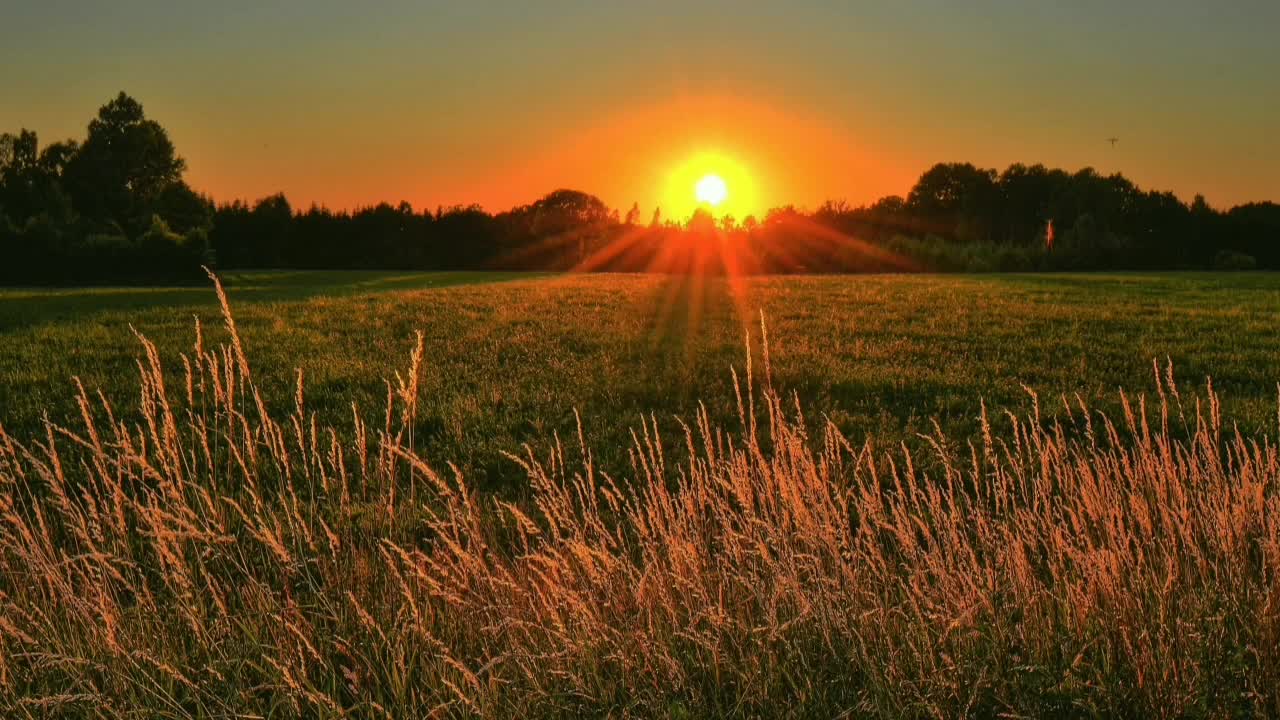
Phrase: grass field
(194,553)
(508,358)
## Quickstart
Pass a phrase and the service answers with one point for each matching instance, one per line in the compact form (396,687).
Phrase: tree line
(114,207)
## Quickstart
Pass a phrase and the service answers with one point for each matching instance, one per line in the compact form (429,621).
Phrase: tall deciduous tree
(122,168)
(30,178)
(18,170)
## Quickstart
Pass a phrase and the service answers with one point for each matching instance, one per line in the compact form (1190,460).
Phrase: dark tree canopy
(563,209)
(124,165)
(113,207)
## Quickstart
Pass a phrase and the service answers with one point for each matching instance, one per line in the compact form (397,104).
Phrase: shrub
(1232,260)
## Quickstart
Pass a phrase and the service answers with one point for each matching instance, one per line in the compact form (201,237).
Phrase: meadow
(897,496)
(508,358)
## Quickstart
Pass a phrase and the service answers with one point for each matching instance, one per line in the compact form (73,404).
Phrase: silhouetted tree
(702,222)
(1026,202)
(183,209)
(271,231)
(30,179)
(956,200)
(125,163)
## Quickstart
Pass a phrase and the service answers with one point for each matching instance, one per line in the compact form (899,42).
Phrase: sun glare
(711,190)
(711,180)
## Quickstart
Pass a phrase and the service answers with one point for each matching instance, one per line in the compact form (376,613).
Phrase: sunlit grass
(208,555)
(507,362)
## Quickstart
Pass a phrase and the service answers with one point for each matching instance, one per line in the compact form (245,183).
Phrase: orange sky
(654,153)
(638,150)
(498,102)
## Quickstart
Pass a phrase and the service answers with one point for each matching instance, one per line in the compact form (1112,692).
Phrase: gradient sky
(499,102)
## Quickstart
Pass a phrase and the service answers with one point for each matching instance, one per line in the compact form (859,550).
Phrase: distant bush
(44,253)
(935,254)
(1232,260)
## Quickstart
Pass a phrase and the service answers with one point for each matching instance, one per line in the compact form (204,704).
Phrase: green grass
(509,356)
(219,561)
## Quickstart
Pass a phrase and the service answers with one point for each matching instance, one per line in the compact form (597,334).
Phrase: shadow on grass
(23,307)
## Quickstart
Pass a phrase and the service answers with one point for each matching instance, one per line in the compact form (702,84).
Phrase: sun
(711,189)
(714,181)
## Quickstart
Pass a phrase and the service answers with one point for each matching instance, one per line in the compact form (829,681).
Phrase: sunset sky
(499,102)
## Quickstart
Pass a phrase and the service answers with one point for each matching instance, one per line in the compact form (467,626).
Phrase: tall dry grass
(206,559)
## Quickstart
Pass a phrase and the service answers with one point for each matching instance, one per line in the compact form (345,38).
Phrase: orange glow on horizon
(769,152)
(655,153)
